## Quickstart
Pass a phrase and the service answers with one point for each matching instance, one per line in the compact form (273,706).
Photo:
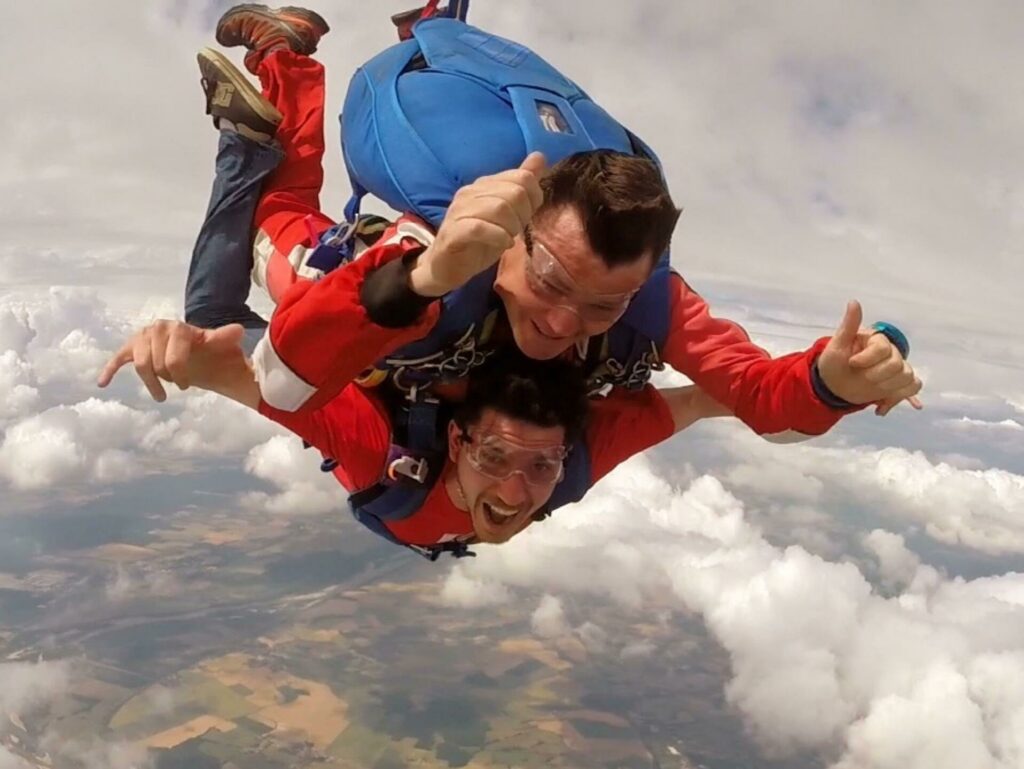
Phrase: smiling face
(558,291)
(528,455)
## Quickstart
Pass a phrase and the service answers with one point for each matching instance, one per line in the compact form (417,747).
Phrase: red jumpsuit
(301,363)
(354,427)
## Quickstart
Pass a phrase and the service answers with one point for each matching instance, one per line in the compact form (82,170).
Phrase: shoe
(262,30)
(233,101)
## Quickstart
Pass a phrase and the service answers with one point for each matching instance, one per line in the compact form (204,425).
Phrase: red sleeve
(769,395)
(352,429)
(320,337)
(623,424)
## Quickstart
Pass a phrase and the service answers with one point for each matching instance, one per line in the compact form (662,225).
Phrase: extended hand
(481,224)
(862,366)
(173,351)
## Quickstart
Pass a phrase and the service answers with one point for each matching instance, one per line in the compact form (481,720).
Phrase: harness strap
(423,433)
(431,553)
(456,9)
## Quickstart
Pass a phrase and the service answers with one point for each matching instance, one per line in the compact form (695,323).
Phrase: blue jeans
(218,283)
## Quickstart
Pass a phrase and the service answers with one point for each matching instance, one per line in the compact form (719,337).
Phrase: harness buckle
(333,247)
(413,393)
(410,467)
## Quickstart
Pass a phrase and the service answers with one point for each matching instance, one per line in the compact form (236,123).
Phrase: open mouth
(498,515)
(540,331)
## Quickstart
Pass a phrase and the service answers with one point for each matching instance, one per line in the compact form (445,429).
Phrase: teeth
(500,512)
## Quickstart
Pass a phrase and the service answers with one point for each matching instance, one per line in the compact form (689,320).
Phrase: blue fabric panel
(605,131)
(450,46)
(469,127)
(576,482)
(648,312)
(554,144)
(383,153)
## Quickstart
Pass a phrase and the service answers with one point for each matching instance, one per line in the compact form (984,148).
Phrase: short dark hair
(622,199)
(548,393)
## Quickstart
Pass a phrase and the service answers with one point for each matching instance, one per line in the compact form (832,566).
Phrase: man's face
(505,471)
(557,291)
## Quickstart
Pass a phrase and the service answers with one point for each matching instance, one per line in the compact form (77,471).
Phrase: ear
(454,441)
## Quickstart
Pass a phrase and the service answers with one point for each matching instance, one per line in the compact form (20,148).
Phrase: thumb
(535,163)
(224,337)
(849,326)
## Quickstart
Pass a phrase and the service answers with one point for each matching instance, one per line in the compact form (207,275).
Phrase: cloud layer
(926,674)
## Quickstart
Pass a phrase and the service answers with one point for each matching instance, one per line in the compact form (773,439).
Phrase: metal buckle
(410,467)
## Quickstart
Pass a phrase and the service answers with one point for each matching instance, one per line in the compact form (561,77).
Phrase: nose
(514,491)
(561,322)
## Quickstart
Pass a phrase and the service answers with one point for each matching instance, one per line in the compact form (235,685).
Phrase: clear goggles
(552,283)
(498,458)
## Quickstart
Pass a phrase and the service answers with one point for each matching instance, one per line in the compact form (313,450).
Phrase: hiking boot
(233,101)
(263,30)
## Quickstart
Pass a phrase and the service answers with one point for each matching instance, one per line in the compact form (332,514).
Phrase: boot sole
(312,18)
(253,98)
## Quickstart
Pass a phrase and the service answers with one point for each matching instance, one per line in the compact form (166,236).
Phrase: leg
(218,280)
(288,220)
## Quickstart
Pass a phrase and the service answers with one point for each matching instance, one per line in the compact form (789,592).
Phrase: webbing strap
(456,9)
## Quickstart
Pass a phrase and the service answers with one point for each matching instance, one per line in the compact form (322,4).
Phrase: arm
(300,364)
(689,405)
(334,325)
(353,428)
(323,334)
(188,356)
(769,395)
(625,423)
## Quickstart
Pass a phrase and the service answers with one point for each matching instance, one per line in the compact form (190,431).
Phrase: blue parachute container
(453,103)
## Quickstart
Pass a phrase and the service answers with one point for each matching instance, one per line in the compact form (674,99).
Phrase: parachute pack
(452,103)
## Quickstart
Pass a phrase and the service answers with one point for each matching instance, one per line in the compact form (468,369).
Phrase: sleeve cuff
(824,394)
(386,296)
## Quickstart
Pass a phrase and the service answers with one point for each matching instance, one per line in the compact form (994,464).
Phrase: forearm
(323,335)
(690,404)
(769,395)
(235,380)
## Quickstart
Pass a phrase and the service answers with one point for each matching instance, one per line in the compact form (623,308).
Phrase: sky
(868,586)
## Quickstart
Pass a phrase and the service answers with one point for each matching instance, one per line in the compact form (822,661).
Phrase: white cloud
(15,331)
(638,650)
(295,471)
(467,592)
(27,686)
(105,441)
(209,424)
(968,423)
(10,761)
(94,753)
(17,395)
(820,660)
(52,347)
(131,582)
(936,725)
(897,563)
(593,636)
(979,509)
(548,620)
(89,441)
